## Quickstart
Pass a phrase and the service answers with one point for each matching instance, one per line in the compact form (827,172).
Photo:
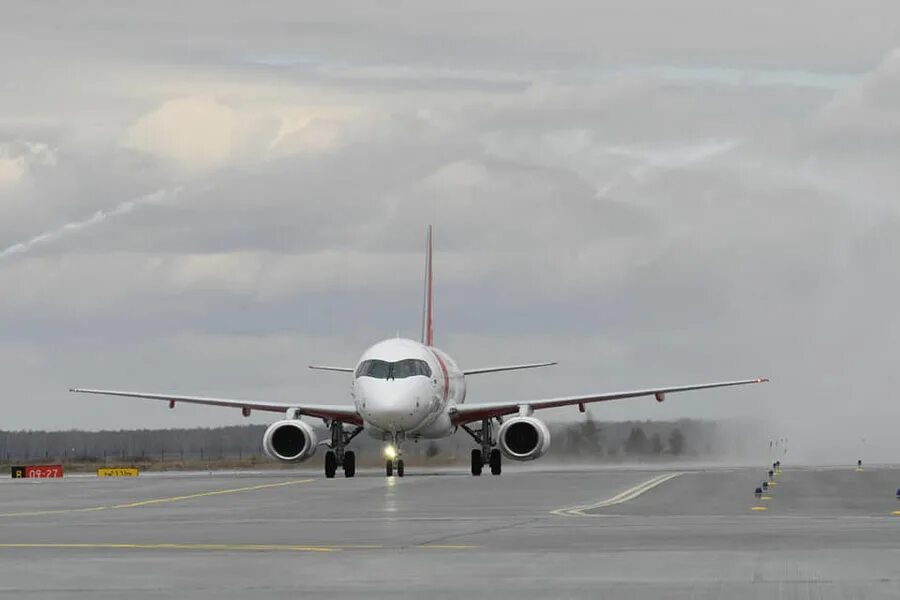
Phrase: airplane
(404,389)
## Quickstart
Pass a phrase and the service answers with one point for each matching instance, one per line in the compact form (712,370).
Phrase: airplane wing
(346,414)
(506,368)
(466,413)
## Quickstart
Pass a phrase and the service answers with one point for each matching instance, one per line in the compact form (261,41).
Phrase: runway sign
(37,472)
(118,472)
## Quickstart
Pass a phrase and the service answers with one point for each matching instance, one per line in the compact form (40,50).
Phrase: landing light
(390,452)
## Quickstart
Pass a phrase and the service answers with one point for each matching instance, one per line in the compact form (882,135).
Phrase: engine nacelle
(290,441)
(524,438)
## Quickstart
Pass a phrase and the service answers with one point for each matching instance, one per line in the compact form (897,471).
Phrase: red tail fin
(427,303)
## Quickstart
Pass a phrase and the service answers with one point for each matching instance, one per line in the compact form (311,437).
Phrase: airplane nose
(393,405)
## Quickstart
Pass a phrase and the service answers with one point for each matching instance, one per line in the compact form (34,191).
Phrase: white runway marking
(629,494)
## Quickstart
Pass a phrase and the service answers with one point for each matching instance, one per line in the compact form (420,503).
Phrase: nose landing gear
(393,462)
(487,455)
(389,467)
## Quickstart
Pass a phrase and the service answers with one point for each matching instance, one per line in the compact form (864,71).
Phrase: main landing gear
(337,456)
(487,455)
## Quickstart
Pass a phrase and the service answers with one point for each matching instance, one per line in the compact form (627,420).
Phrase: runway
(534,532)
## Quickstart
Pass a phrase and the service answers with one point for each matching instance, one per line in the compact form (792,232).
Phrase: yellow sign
(117,472)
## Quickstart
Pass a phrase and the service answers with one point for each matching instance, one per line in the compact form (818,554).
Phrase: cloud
(197,134)
(194,134)
(865,116)
(672,156)
(95,219)
(16,158)
(11,170)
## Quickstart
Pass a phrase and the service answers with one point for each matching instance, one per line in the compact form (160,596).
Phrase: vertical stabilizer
(427,302)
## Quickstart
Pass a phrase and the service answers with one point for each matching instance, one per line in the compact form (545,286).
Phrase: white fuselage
(405,389)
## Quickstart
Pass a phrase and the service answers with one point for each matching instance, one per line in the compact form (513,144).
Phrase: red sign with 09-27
(38,472)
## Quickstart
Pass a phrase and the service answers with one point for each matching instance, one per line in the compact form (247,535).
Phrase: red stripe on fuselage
(444,373)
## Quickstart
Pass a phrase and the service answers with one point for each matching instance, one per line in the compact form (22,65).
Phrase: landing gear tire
(399,468)
(349,463)
(330,464)
(496,461)
(389,468)
(477,462)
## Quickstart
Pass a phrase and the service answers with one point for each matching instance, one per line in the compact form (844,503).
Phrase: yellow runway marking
(896,513)
(251,488)
(64,511)
(224,547)
(227,547)
(629,494)
(59,511)
(765,497)
(760,508)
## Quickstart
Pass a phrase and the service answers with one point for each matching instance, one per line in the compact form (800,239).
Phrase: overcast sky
(205,197)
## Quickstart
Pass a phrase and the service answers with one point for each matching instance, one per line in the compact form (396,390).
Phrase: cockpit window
(380,369)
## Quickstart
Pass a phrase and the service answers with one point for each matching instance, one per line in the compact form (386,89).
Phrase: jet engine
(524,438)
(290,441)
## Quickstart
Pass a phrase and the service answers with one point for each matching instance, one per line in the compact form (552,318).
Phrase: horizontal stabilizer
(336,369)
(507,368)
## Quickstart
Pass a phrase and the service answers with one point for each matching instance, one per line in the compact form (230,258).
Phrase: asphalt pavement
(534,532)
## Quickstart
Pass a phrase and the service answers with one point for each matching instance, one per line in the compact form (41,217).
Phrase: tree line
(589,439)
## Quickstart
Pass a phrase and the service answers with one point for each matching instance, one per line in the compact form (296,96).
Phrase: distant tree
(676,442)
(590,436)
(637,443)
(656,445)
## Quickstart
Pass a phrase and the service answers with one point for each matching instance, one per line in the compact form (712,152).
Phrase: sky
(206,197)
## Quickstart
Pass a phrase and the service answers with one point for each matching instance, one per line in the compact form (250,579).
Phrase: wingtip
(762,380)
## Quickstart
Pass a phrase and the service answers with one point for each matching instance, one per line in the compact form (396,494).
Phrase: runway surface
(534,532)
